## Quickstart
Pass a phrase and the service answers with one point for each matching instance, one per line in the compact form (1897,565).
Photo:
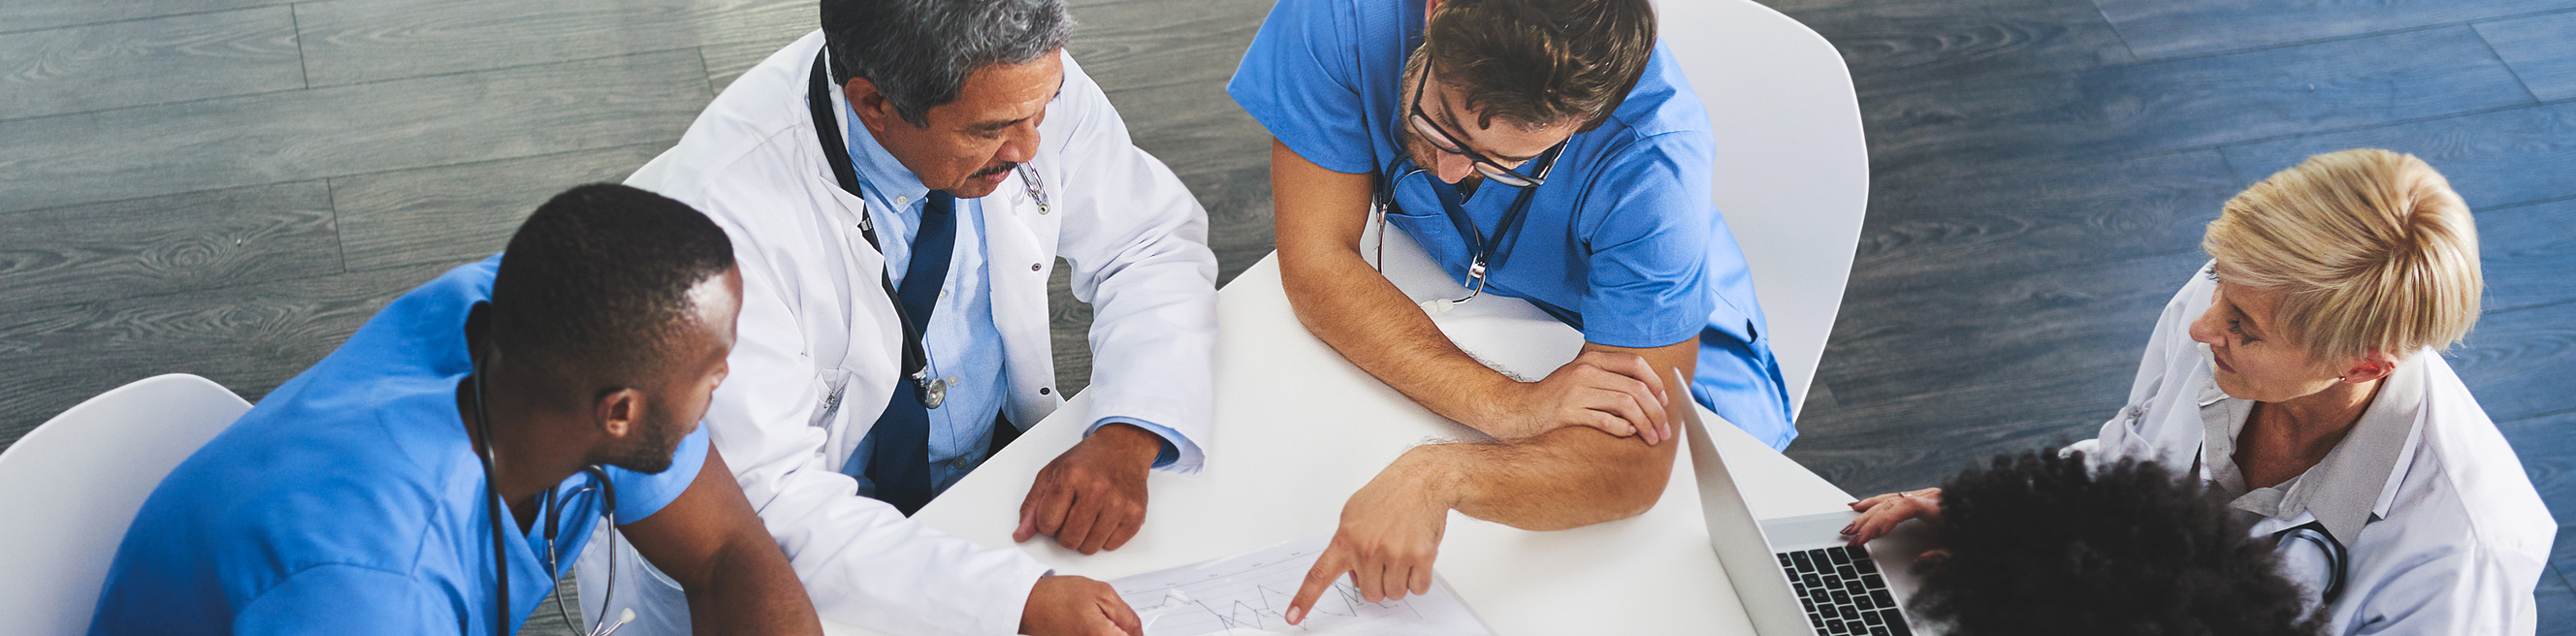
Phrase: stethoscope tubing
(553,506)
(1486,250)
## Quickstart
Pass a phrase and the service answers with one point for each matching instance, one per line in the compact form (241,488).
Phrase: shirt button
(902,201)
(1033,267)
(1043,390)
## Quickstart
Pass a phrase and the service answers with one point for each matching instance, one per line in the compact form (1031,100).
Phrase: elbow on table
(1629,480)
(1636,489)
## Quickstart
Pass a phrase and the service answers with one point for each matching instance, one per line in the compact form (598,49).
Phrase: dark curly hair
(2043,544)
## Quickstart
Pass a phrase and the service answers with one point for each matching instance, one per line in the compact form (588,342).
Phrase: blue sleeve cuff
(640,495)
(1172,439)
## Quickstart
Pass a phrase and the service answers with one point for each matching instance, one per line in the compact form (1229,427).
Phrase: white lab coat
(815,319)
(2456,537)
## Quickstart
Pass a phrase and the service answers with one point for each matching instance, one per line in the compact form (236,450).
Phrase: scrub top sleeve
(1647,223)
(347,599)
(640,495)
(1300,79)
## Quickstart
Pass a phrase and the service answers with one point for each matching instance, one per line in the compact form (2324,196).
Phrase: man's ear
(478,331)
(874,111)
(2370,366)
(619,413)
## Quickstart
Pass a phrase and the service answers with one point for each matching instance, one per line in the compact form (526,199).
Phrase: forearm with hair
(1345,303)
(1564,478)
(1351,307)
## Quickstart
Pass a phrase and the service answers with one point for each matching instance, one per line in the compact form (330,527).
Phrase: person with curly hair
(2047,543)
(2299,374)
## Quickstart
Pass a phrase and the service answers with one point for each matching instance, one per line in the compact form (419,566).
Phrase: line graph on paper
(1251,607)
(1249,594)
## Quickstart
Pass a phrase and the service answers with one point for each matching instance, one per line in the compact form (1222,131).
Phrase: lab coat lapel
(855,367)
(1020,242)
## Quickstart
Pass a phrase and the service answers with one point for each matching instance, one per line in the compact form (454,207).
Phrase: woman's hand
(1881,513)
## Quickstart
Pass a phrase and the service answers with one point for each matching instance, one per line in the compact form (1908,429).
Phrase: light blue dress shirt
(963,344)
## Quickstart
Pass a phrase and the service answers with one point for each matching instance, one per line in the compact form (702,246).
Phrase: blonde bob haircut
(2371,250)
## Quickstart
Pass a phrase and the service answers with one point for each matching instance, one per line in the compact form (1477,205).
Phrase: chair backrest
(1792,167)
(71,486)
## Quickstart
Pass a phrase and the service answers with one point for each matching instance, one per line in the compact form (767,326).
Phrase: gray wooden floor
(229,187)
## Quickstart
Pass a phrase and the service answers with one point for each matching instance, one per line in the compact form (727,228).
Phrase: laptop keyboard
(1843,593)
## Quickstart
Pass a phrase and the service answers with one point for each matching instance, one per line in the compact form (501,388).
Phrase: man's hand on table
(1389,535)
(1077,606)
(1618,393)
(1092,497)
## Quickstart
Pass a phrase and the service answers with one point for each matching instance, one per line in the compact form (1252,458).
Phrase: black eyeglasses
(1441,140)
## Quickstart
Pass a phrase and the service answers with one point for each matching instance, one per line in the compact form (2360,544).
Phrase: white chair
(1792,167)
(72,485)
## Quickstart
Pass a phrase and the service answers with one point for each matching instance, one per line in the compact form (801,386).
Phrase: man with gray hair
(898,187)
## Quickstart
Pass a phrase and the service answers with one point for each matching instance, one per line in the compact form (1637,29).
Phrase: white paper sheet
(1247,594)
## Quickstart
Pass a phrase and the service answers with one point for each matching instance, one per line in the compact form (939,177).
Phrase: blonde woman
(2299,376)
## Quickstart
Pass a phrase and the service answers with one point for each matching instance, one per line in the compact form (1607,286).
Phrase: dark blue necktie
(900,463)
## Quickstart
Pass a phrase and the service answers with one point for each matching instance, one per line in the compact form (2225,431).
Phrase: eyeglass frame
(1442,141)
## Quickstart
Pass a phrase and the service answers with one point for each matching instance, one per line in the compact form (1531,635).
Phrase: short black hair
(2044,543)
(920,52)
(597,281)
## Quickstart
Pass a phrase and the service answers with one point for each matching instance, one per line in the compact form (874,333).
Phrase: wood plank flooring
(229,187)
(2160,28)
(357,41)
(2536,47)
(161,60)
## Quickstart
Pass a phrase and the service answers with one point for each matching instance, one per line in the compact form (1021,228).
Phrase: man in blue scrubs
(1547,150)
(359,497)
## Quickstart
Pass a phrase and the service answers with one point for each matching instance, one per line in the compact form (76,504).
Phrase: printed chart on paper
(1248,594)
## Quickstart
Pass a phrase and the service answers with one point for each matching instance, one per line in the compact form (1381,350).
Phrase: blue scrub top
(350,500)
(1622,241)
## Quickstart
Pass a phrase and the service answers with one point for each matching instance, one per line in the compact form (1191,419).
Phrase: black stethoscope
(818,99)
(2337,559)
(554,511)
(1484,250)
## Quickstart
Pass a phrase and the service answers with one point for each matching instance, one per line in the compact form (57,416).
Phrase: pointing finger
(1328,568)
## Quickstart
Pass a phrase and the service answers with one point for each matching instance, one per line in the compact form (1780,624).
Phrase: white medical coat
(2454,538)
(818,343)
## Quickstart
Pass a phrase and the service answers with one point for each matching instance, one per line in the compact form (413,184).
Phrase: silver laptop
(1794,575)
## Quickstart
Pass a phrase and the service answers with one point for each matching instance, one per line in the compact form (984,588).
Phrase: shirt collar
(885,176)
(2357,480)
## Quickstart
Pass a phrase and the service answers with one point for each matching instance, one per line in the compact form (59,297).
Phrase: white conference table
(1298,429)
